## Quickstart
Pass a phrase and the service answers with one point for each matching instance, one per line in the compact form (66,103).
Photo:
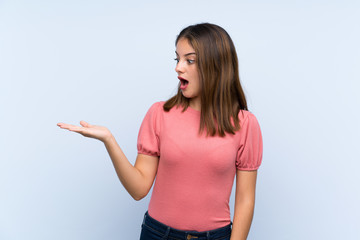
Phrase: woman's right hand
(92,131)
(136,179)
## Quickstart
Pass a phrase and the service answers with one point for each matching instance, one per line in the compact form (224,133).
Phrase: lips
(183,83)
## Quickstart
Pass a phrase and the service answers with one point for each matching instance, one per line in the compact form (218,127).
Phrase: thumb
(84,124)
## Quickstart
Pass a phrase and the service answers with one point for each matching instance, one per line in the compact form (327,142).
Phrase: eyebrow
(191,53)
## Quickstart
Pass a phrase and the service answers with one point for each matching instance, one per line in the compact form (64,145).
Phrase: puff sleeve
(148,141)
(249,155)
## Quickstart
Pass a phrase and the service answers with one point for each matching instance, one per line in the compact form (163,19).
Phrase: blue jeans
(154,230)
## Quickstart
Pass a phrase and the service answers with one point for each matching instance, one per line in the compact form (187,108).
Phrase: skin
(139,178)
(186,68)
(244,204)
(136,179)
(245,180)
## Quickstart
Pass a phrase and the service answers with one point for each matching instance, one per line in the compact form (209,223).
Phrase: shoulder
(156,112)
(156,107)
(250,144)
(153,117)
(248,121)
(246,116)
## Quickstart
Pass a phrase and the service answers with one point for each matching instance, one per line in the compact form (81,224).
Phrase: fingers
(87,130)
(64,125)
(70,127)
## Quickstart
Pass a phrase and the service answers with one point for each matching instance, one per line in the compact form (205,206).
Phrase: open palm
(98,132)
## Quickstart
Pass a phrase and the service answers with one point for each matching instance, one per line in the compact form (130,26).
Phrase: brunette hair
(221,94)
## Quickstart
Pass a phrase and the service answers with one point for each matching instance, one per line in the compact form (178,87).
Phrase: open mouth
(183,83)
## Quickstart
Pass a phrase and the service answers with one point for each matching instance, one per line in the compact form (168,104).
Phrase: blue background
(107,61)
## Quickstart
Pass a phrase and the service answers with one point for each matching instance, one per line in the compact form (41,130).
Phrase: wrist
(108,139)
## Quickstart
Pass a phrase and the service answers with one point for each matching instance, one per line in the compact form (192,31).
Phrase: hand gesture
(87,130)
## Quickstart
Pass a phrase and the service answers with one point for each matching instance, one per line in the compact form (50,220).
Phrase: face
(187,71)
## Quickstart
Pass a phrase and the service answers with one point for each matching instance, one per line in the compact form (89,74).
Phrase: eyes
(189,61)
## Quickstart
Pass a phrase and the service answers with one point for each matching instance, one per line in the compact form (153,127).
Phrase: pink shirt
(195,173)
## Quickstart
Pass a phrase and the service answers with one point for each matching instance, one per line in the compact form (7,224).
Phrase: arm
(244,204)
(137,179)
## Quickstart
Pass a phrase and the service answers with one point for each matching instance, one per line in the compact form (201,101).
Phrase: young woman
(194,144)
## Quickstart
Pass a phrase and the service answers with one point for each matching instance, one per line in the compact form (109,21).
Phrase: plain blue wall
(107,61)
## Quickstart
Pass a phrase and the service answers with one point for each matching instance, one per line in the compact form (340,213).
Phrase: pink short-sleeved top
(195,173)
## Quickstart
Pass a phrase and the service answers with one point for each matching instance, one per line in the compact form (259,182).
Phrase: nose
(179,67)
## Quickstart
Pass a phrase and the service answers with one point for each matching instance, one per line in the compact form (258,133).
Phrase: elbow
(138,196)
(247,201)
(246,205)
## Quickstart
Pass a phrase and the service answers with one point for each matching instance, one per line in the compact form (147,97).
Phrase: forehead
(183,47)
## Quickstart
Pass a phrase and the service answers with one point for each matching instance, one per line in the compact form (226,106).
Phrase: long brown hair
(221,94)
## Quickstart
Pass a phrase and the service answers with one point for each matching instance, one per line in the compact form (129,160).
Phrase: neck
(195,103)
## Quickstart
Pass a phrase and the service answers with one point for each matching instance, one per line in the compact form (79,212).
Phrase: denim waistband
(172,233)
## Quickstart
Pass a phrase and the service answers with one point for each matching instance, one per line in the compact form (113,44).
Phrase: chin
(186,95)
